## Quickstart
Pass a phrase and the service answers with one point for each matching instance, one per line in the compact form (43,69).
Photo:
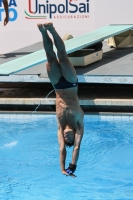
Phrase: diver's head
(69,136)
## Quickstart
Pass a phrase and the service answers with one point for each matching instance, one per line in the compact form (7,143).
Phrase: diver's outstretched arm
(62,150)
(77,142)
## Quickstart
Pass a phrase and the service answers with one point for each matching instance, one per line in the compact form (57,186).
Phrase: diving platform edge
(72,45)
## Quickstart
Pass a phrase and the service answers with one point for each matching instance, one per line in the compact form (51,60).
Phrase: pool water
(29,160)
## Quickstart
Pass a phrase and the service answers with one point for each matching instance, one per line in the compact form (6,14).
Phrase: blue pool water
(29,160)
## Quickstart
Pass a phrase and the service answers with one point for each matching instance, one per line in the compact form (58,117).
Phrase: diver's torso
(68,109)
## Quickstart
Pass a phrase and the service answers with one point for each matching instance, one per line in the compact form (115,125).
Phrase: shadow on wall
(13,55)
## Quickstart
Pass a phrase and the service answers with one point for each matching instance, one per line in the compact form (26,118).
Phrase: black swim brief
(64,84)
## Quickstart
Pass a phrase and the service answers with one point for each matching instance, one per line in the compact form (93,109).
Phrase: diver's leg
(67,68)
(53,66)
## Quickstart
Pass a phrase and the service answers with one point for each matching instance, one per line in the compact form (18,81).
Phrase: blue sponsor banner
(13,14)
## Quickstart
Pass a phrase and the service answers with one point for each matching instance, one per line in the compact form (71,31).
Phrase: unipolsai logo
(12,7)
(38,9)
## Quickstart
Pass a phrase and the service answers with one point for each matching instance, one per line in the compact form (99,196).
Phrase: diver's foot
(41,28)
(49,26)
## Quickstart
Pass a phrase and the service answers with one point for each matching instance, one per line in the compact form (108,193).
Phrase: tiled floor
(92,117)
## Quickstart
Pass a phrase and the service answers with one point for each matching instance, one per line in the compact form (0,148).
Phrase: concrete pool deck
(107,83)
(28,96)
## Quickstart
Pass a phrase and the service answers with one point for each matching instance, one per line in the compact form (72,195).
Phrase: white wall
(113,12)
(23,32)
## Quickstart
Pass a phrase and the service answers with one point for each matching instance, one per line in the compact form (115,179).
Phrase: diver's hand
(65,173)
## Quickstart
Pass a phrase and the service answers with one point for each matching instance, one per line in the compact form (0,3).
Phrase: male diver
(5,3)
(69,113)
